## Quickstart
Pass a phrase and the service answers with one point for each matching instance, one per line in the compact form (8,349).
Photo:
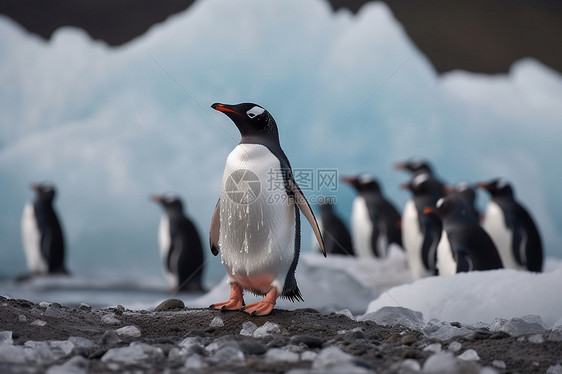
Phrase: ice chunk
(134,353)
(267,329)
(554,369)
(518,326)
(6,337)
(61,347)
(445,331)
(281,355)
(109,337)
(53,312)
(130,331)
(110,319)
(80,342)
(469,355)
(442,362)
(44,304)
(435,348)
(330,357)
(76,365)
(38,322)
(217,322)
(395,315)
(12,354)
(556,334)
(22,318)
(455,346)
(309,356)
(410,364)
(537,338)
(195,362)
(347,313)
(499,364)
(227,354)
(248,328)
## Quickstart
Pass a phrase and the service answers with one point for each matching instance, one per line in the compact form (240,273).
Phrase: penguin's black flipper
(464,261)
(304,207)
(215,229)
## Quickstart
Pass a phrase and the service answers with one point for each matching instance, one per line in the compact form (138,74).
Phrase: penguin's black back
(52,240)
(337,239)
(473,248)
(185,257)
(384,213)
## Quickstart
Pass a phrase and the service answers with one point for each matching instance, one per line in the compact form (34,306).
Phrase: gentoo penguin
(375,222)
(421,232)
(256,222)
(180,246)
(512,228)
(465,245)
(417,167)
(42,235)
(467,193)
(337,239)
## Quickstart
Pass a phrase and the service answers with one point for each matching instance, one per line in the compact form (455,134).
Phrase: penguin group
(257,230)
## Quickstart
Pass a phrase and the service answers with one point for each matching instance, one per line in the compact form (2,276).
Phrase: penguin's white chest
(445,260)
(362,228)
(502,236)
(412,238)
(257,222)
(31,237)
(165,240)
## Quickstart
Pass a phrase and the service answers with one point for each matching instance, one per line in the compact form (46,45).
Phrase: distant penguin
(375,221)
(337,239)
(467,193)
(180,246)
(421,232)
(256,222)
(465,245)
(417,167)
(512,228)
(42,235)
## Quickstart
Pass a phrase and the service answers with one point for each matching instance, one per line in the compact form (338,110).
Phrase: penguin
(256,222)
(467,193)
(466,245)
(337,239)
(180,246)
(417,167)
(420,232)
(43,239)
(512,228)
(375,221)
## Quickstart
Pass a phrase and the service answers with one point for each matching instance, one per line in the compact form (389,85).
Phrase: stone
(308,340)
(170,304)
(408,339)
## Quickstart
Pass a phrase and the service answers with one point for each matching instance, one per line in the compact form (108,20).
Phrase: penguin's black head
(172,204)
(252,120)
(44,192)
(414,166)
(419,185)
(463,189)
(450,206)
(498,188)
(363,183)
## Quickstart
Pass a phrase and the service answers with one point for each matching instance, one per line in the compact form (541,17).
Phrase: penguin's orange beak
(482,185)
(404,186)
(223,108)
(35,186)
(399,166)
(156,198)
(428,211)
(348,180)
(447,189)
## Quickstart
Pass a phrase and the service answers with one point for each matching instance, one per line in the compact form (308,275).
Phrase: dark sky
(477,35)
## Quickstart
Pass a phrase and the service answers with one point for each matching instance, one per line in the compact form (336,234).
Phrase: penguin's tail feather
(294,294)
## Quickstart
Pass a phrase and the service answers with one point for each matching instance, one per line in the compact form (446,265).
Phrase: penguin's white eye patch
(502,183)
(440,202)
(255,111)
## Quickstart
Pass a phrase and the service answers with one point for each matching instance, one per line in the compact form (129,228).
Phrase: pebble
(252,347)
(110,319)
(281,355)
(537,339)
(308,340)
(217,322)
(44,304)
(469,355)
(53,312)
(309,356)
(22,318)
(195,362)
(108,338)
(455,347)
(169,304)
(408,339)
(230,355)
(129,331)
(499,364)
(434,348)
(38,322)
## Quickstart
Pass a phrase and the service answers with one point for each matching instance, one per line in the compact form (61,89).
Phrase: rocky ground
(47,337)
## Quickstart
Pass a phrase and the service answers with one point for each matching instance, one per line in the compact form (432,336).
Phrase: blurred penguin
(421,232)
(375,221)
(42,235)
(422,167)
(180,246)
(464,246)
(512,228)
(337,239)
(467,193)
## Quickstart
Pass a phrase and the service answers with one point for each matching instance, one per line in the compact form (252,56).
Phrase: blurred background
(110,102)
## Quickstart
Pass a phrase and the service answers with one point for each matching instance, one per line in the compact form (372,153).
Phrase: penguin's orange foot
(235,302)
(264,307)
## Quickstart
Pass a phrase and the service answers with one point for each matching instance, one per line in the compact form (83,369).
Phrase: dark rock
(276,343)
(410,354)
(408,339)
(393,339)
(308,340)
(252,347)
(481,335)
(169,304)
(109,337)
(456,324)
(499,335)
(352,336)
(97,354)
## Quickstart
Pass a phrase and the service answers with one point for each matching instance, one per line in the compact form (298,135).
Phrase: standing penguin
(180,246)
(418,167)
(467,193)
(375,221)
(464,246)
(421,232)
(337,239)
(512,228)
(43,240)
(256,222)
